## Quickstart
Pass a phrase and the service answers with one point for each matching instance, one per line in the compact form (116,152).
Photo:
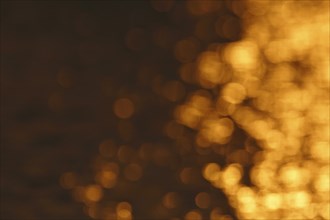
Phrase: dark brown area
(48,128)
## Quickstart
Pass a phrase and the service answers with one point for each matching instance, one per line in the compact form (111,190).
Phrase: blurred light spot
(193,215)
(242,55)
(233,93)
(124,210)
(124,205)
(225,108)
(320,150)
(93,193)
(246,198)
(217,130)
(203,200)
(211,70)
(274,139)
(272,201)
(107,178)
(322,180)
(297,199)
(188,115)
(215,214)
(171,200)
(211,171)
(186,175)
(291,176)
(123,108)
(232,175)
(325,210)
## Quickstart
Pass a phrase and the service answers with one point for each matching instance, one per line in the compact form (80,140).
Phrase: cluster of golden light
(114,169)
(281,66)
(113,164)
(273,84)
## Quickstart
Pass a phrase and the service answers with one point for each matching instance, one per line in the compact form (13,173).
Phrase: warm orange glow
(93,193)
(211,171)
(233,93)
(193,215)
(232,175)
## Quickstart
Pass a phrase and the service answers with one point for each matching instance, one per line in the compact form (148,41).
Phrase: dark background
(51,125)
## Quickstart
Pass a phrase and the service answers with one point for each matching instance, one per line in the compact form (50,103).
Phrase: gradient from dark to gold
(165,109)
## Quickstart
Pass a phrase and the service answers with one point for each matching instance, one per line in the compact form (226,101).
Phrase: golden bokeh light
(211,171)
(93,193)
(233,93)
(217,130)
(211,70)
(107,178)
(124,211)
(232,175)
(242,56)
